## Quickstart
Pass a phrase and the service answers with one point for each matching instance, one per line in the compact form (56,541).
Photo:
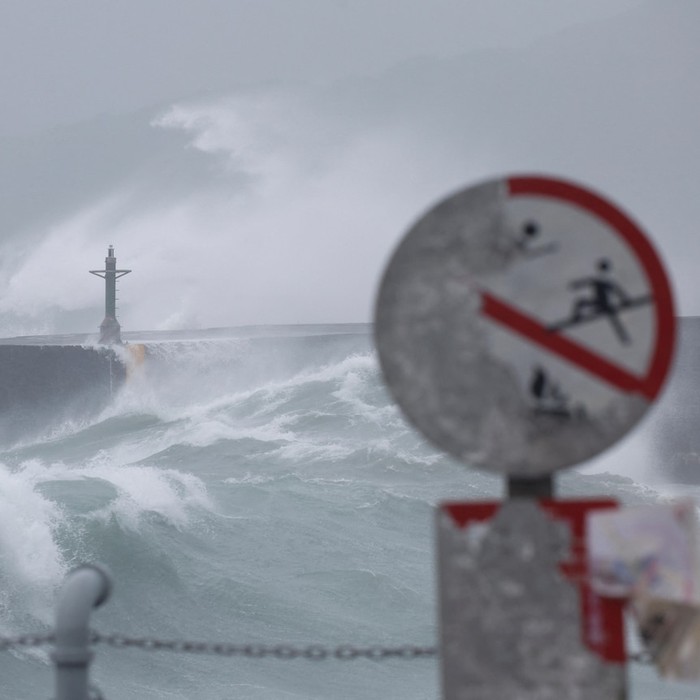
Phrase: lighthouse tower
(110,332)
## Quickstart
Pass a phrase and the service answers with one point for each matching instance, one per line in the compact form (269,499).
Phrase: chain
(25,640)
(312,652)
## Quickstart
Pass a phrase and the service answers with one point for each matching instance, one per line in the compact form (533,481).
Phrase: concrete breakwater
(43,385)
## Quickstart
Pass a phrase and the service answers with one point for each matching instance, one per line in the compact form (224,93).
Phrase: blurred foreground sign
(518,617)
(524,325)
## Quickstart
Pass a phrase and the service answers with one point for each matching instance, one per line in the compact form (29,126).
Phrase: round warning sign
(525,325)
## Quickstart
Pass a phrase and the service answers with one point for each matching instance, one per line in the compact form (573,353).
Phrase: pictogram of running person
(604,298)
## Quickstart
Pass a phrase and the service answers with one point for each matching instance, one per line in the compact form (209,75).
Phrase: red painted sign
(602,618)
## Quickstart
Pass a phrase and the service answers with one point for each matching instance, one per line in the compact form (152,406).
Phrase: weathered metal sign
(525,325)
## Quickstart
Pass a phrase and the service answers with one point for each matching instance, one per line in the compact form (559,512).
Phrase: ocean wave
(33,563)
(156,392)
(142,491)
(271,412)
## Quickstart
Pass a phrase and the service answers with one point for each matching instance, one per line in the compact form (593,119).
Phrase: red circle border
(653,382)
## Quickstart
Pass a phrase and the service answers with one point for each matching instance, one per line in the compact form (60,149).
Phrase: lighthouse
(109,329)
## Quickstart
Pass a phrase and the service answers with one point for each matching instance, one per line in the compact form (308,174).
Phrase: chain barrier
(25,640)
(311,652)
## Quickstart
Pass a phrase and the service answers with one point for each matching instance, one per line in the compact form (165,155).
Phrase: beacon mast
(110,332)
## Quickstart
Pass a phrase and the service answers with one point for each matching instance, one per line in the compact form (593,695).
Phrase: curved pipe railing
(85,588)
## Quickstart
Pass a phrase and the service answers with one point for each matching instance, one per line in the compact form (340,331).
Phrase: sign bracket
(530,487)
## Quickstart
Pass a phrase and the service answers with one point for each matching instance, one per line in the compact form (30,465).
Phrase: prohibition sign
(525,324)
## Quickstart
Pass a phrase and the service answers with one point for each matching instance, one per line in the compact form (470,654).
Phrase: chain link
(25,640)
(311,652)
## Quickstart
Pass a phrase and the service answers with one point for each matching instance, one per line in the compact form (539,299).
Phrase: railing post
(85,588)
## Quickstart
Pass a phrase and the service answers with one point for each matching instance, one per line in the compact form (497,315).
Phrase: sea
(256,486)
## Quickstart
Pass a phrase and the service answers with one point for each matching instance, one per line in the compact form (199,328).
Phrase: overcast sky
(256,161)
(65,61)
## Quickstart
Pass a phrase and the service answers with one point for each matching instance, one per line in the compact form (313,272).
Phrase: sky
(256,162)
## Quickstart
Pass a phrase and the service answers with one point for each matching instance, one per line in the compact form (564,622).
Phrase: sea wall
(43,385)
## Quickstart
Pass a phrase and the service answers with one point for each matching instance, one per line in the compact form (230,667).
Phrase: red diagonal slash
(577,354)
(559,190)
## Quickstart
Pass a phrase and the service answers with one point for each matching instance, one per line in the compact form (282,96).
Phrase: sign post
(524,325)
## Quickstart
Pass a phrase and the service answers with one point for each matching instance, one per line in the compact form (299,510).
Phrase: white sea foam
(204,421)
(32,562)
(299,450)
(250,478)
(352,390)
(206,431)
(142,491)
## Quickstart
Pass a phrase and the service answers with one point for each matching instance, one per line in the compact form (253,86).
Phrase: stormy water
(259,486)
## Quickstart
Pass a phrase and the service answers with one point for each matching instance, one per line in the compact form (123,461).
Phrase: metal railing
(89,586)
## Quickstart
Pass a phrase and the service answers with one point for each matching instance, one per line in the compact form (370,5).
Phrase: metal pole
(85,588)
(530,487)
(110,284)
(109,328)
